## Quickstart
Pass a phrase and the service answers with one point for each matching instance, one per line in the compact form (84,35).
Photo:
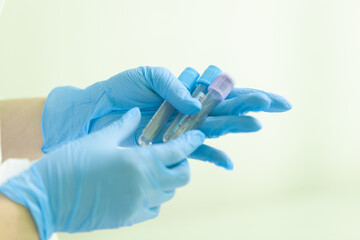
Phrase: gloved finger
(213,155)
(176,176)
(109,118)
(278,103)
(172,90)
(120,129)
(214,127)
(159,197)
(253,102)
(175,151)
(169,195)
(143,214)
(154,212)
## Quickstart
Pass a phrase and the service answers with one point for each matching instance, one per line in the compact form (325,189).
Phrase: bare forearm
(20,121)
(16,221)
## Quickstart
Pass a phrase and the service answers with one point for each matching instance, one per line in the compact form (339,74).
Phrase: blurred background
(298,178)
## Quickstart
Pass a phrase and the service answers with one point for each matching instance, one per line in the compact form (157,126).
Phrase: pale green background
(298,178)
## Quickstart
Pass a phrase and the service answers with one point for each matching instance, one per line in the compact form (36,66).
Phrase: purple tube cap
(223,84)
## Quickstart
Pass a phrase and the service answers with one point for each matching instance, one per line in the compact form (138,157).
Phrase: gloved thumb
(172,90)
(119,130)
(173,152)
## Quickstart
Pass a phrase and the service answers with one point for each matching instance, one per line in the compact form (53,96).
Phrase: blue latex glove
(70,112)
(91,184)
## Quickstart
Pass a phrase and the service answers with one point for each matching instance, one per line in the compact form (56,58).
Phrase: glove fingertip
(287,105)
(183,102)
(256,126)
(225,162)
(251,124)
(191,106)
(195,136)
(226,167)
(279,103)
(134,111)
(230,165)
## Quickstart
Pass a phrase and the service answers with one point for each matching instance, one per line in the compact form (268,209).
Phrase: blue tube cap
(210,74)
(188,77)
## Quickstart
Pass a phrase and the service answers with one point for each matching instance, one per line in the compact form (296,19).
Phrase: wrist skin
(21,137)
(20,127)
(16,221)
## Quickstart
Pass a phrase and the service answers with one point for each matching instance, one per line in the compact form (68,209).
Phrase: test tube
(188,77)
(217,92)
(203,83)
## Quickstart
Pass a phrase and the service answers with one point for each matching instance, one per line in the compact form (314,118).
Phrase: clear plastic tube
(156,123)
(217,92)
(198,93)
(205,80)
(160,118)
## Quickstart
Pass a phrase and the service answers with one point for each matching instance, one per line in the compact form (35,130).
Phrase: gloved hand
(70,113)
(90,183)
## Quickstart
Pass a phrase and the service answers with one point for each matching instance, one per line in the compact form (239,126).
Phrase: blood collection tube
(202,85)
(188,77)
(218,90)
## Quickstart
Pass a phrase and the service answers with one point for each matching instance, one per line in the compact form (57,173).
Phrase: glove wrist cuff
(68,112)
